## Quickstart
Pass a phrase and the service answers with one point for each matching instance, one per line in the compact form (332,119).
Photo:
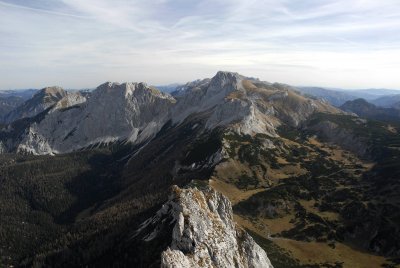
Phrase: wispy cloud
(39,10)
(74,43)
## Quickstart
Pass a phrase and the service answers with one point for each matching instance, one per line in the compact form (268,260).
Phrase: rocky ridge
(250,106)
(115,112)
(368,110)
(42,100)
(203,232)
(135,112)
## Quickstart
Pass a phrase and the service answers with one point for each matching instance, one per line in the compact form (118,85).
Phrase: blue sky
(82,43)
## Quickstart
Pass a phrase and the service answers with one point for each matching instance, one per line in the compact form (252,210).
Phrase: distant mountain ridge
(388,101)
(22,93)
(135,112)
(334,97)
(380,97)
(42,100)
(11,99)
(365,109)
(168,88)
(9,103)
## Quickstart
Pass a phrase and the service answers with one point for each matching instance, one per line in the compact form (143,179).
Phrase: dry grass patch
(248,85)
(278,225)
(313,252)
(236,95)
(309,206)
(234,194)
(285,172)
(337,154)
(231,169)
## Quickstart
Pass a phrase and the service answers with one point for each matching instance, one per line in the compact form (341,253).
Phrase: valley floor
(272,229)
(306,253)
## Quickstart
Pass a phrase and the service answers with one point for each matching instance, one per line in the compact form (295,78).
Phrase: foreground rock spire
(203,233)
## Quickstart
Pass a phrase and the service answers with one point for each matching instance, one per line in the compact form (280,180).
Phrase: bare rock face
(203,233)
(115,112)
(42,100)
(245,104)
(71,99)
(204,95)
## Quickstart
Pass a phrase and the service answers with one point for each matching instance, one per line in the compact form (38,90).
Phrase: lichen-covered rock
(204,233)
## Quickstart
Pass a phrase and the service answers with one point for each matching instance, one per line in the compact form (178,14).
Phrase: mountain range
(368,110)
(228,171)
(381,97)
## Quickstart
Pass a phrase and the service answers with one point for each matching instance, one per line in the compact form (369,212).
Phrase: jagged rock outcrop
(203,232)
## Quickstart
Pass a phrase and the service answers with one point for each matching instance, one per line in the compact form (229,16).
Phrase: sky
(83,43)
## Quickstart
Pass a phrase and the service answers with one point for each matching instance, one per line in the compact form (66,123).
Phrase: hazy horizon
(182,83)
(351,44)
